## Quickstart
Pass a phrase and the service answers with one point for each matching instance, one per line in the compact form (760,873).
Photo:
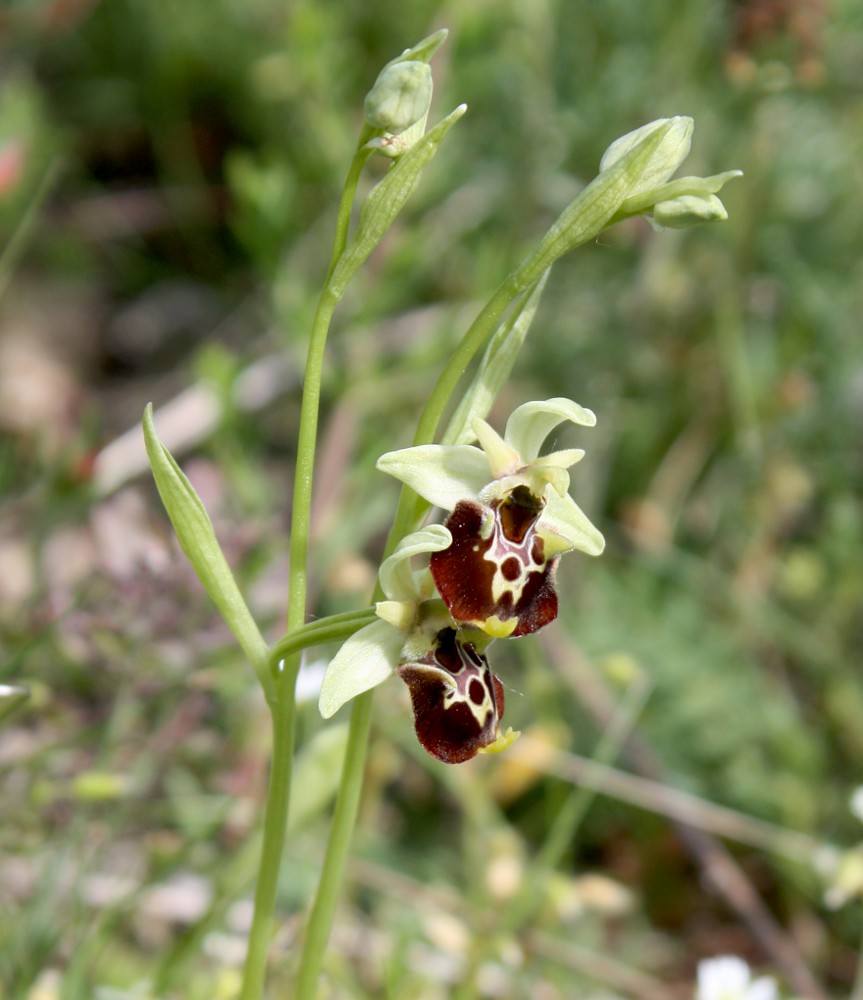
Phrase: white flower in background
(730,978)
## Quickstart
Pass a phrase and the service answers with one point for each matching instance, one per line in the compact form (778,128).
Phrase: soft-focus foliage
(168,180)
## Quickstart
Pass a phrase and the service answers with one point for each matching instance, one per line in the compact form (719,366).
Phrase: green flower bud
(666,158)
(400,97)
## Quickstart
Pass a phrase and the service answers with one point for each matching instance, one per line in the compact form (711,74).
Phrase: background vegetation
(168,181)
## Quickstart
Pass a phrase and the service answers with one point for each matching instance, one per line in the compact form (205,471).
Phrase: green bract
(198,540)
(386,200)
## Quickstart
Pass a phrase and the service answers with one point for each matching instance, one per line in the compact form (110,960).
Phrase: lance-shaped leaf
(198,540)
(387,199)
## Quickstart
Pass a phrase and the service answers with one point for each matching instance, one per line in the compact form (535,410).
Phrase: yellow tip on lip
(503,742)
(497,628)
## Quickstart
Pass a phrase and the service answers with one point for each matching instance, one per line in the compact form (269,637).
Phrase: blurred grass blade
(198,540)
(317,772)
(11,253)
(12,697)
(495,368)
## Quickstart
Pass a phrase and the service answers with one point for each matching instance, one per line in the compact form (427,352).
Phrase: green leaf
(386,200)
(495,368)
(198,540)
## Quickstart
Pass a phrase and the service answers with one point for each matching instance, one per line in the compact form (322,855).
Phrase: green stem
(283,704)
(338,846)
(343,217)
(409,509)
(283,719)
(334,628)
(323,911)
(304,472)
(275,823)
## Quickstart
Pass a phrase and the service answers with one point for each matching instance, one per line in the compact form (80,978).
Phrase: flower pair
(490,574)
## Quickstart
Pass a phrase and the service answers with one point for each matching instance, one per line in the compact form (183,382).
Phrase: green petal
(364,661)
(565,526)
(397,579)
(442,474)
(530,424)
(503,459)
(399,614)
(563,459)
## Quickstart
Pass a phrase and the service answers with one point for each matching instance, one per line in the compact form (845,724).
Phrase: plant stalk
(283,704)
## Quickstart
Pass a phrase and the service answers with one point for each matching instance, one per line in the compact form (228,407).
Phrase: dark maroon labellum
(457,701)
(496,565)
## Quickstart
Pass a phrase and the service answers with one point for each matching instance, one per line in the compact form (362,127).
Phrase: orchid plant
(447,590)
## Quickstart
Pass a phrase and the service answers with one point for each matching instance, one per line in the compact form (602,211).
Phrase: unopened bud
(400,97)
(666,158)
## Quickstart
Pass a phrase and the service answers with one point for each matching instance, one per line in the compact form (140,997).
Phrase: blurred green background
(168,181)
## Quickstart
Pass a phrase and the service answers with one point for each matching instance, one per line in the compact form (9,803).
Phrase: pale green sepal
(667,157)
(197,539)
(396,575)
(689,210)
(442,474)
(386,200)
(699,187)
(531,423)
(564,526)
(367,659)
(423,50)
(495,368)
